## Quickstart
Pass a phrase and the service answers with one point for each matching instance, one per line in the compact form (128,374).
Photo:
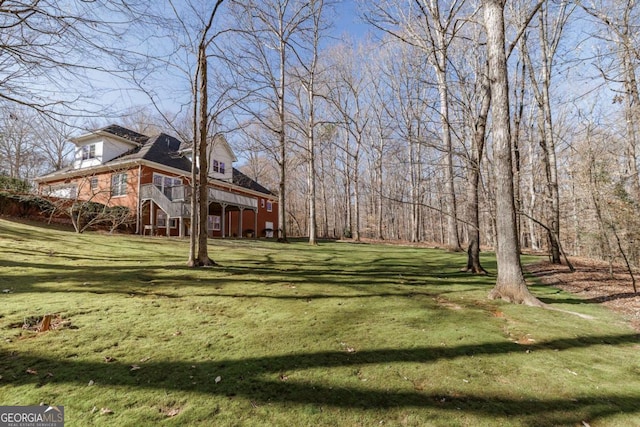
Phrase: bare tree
(307,78)
(431,26)
(550,32)
(269,32)
(51,52)
(510,284)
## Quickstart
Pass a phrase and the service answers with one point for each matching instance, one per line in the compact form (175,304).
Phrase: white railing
(175,200)
(220,196)
(175,208)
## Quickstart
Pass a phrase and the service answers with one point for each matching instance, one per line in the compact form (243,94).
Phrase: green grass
(334,335)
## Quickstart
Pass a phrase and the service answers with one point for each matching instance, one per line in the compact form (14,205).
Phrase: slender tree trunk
(515,142)
(356,190)
(453,237)
(473,190)
(193,225)
(282,228)
(510,284)
(311,177)
(380,187)
(203,188)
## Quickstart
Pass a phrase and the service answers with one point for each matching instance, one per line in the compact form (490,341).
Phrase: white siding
(105,149)
(220,153)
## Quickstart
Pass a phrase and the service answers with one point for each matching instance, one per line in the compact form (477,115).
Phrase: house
(151,176)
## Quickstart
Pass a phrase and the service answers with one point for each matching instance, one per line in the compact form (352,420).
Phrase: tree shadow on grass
(138,277)
(594,300)
(259,380)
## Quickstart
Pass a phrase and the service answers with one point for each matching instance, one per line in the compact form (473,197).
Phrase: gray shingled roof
(244,181)
(162,149)
(125,133)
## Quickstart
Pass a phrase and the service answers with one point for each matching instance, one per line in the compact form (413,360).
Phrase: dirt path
(592,281)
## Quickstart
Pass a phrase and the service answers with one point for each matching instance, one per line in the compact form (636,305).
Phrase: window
(213,223)
(166,185)
(89,152)
(222,167)
(119,184)
(269,206)
(161,220)
(216,168)
(64,191)
(93,183)
(262,203)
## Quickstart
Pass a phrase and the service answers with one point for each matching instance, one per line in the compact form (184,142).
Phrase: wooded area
(462,123)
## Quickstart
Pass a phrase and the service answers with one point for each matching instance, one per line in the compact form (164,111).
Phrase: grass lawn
(291,335)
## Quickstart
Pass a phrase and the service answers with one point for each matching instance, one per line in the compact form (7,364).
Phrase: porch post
(152,212)
(240,222)
(168,225)
(139,225)
(181,225)
(255,222)
(224,210)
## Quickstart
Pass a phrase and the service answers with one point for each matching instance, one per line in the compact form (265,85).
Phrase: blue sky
(349,20)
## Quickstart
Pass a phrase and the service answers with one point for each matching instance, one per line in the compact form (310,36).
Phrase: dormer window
(216,167)
(222,168)
(89,152)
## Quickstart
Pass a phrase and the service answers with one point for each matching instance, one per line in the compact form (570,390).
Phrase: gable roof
(186,147)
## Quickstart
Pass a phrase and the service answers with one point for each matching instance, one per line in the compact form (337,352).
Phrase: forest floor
(594,282)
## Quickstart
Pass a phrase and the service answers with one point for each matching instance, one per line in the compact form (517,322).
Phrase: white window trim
(121,186)
(88,151)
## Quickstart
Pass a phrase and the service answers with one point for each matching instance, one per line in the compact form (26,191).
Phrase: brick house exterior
(151,176)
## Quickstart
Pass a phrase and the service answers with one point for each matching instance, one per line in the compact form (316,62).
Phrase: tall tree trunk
(519,94)
(356,190)
(282,228)
(311,177)
(203,188)
(510,284)
(477,150)
(193,225)
(380,189)
(453,237)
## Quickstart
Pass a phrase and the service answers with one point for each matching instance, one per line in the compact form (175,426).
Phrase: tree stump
(45,324)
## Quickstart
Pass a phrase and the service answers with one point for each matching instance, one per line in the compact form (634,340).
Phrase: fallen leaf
(283,377)
(106,411)
(218,379)
(176,333)
(49,374)
(144,359)
(32,371)
(134,367)
(109,359)
(351,350)
(91,383)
